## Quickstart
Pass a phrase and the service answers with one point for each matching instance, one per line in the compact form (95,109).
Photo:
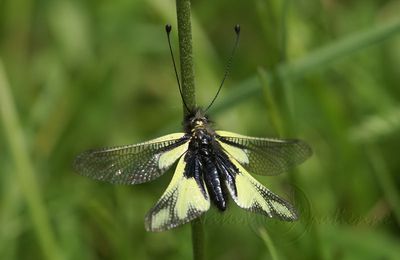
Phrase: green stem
(198,239)
(269,243)
(185,51)
(188,91)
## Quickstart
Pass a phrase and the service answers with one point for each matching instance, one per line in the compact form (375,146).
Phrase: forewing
(253,196)
(132,164)
(183,200)
(264,156)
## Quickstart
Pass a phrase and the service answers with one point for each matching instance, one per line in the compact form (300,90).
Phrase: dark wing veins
(132,164)
(265,156)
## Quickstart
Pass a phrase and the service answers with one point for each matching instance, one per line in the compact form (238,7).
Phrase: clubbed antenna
(168,29)
(228,65)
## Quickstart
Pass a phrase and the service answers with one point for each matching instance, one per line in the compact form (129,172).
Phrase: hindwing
(184,199)
(253,196)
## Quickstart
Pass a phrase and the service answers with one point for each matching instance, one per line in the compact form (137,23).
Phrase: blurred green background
(81,74)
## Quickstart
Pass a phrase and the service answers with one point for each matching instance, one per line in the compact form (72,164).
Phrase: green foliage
(82,74)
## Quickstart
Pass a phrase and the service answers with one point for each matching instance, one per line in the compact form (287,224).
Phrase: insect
(212,166)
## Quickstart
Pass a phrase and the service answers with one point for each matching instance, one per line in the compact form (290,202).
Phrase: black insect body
(212,166)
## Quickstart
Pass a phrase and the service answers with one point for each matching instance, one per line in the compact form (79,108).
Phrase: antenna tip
(168,28)
(237,29)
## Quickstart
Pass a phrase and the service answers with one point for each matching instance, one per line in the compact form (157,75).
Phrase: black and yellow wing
(184,199)
(264,156)
(133,164)
(253,196)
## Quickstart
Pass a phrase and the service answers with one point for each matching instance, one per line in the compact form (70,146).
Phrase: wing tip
(287,213)
(148,223)
(304,149)
(294,216)
(77,164)
(308,151)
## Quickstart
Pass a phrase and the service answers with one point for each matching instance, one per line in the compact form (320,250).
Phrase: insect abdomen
(213,183)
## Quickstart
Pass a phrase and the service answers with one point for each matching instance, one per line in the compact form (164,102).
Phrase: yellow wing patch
(182,201)
(169,157)
(239,154)
(253,196)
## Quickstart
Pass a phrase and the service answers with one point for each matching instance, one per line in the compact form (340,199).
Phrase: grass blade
(315,60)
(24,169)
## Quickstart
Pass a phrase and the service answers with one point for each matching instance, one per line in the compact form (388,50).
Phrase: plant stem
(188,91)
(268,242)
(185,51)
(198,239)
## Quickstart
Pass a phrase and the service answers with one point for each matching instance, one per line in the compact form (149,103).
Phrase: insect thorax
(197,120)
(197,126)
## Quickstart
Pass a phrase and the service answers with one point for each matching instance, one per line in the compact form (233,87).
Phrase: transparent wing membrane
(264,156)
(132,164)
